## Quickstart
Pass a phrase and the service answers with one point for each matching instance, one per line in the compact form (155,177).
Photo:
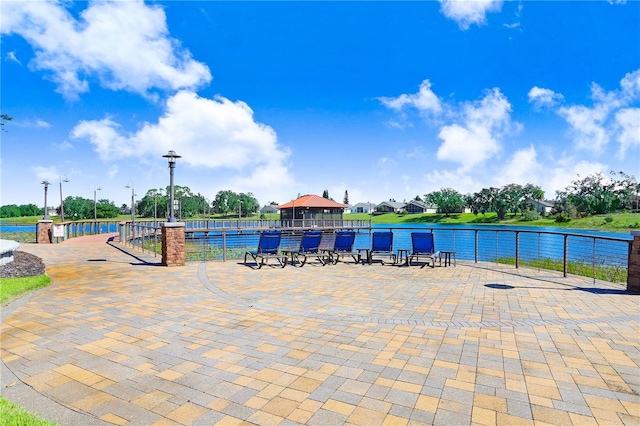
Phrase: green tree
(345,200)
(250,204)
(29,210)
(325,193)
(154,202)
(224,202)
(597,194)
(78,208)
(10,210)
(448,200)
(106,209)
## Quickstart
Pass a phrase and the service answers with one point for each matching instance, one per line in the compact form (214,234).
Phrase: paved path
(117,339)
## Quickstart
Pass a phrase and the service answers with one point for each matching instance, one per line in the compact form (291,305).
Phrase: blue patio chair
(309,246)
(343,246)
(423,246)
(267,249)
(382,243)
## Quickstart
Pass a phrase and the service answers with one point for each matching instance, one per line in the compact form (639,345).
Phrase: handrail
(601,254)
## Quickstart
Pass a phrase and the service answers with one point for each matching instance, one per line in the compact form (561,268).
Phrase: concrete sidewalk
(117,339)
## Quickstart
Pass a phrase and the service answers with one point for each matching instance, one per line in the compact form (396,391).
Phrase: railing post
(517,249)
(173,244)
(43,233)
(565,256)
(224,245)
(633,272)
(476,232)
(594,260)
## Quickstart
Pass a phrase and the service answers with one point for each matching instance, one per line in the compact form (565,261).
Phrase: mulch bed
(23,265)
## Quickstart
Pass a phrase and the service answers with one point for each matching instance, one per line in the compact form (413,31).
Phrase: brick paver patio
(117,339)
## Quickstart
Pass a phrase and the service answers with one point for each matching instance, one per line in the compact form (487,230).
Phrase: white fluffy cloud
(476,136)
(124,44)
(522,167)
(565,170)
(469,12)
(628,126)
(612,115)
(211,133)
(424,101)
(540,97)
(476,128)
(588,126)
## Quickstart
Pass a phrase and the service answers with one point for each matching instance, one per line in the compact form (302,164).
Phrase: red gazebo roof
(312,201)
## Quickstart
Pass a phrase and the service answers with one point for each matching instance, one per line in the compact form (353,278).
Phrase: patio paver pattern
(117,339)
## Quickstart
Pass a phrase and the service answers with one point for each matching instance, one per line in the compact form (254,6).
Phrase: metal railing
(597,256)
(583,253)
(143,235)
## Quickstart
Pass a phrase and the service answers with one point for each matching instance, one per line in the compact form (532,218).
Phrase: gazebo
(311,207)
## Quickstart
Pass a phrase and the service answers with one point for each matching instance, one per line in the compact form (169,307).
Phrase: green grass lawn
(12,288)
(617,222)
(12,414)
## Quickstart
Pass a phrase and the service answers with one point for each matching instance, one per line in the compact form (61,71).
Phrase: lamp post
(95,202)
(239,212)
(171,156)
(133,205)
(133,213)
(61,199)
(46,209)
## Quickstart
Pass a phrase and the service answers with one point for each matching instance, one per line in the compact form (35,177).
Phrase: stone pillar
(43,232)
(173,253)
(633,274)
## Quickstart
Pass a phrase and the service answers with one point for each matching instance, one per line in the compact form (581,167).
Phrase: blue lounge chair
(382,243)
(423,246)
(267,249)
(343,246)
(309,246)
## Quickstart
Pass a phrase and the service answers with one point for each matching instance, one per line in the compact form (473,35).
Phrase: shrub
(608,219)
(563,218)
(529,216)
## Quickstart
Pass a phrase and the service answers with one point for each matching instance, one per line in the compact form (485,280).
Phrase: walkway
(118,340)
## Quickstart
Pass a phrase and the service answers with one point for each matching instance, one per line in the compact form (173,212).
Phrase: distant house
(389,207)
(311,207)
(269,209)
(363,208)
(541,206)
(415,206)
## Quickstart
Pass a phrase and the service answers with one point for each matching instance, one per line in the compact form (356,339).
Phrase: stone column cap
(636,233)
(45,221)
(173,224)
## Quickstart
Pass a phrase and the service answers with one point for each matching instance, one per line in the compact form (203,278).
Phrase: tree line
(154,204)
(594,194)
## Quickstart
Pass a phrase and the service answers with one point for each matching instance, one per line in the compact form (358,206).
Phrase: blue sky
(382,99)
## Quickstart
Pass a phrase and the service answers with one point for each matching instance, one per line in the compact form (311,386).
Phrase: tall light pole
(133,203)
(96,188)
(239,212)
(61,199)
(171,156)
(46,209)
